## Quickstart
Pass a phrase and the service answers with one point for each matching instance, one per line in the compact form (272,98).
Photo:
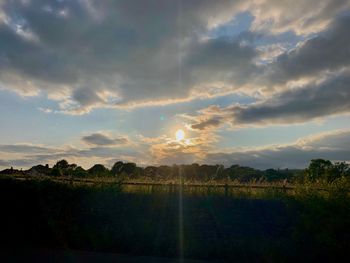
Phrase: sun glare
(180,135)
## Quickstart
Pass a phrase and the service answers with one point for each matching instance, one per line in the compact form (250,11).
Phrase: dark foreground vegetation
(308,222)
(265,225)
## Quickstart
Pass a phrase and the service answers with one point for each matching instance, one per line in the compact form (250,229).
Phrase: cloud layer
(88,54)
(314,101)
(329,146)
(156,151)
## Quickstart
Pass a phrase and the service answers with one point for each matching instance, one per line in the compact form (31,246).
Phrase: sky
(259,83)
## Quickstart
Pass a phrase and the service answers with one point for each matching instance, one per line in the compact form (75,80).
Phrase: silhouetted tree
(207,172)
(62,164)
(129,168)
(79,172)
(244,174)
(62,167)
(99,170)
(117,168)
(318,169)
(340,169)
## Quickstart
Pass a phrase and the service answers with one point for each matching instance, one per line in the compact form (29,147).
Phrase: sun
(180,135)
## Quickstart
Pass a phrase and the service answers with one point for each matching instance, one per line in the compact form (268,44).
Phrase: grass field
(244,224)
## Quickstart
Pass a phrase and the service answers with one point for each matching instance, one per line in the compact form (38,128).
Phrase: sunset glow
(243,85)
(177,131)
(180,135)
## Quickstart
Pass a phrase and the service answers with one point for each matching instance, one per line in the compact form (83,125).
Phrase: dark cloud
(299,105)
(86,96)
(100,139)
(328,94)
(284,157)
(222,60)
(313,101)
(130,51)
(327,51)
(127,48)
(208,123)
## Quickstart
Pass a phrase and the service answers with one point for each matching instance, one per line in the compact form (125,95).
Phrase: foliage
(63,168)
(99,170)
(320,169)
(79,172)
(117,168)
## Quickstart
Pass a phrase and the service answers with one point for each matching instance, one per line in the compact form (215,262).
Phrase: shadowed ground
(45,255)
(216,227)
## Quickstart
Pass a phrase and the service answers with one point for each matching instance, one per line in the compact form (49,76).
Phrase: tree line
(318,169)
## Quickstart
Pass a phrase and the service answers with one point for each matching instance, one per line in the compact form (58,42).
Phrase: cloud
(303,17)
(320,64)
(310,102)
(101,139)
(4,163)
(101,147)
(201,148)
(167,151)
(300,105)
(26,155)
(91,54)
(208,123)
(221,60)
(330,146)
(25,148)
(327,51)
(83,156)
(17,163)
(126,49)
